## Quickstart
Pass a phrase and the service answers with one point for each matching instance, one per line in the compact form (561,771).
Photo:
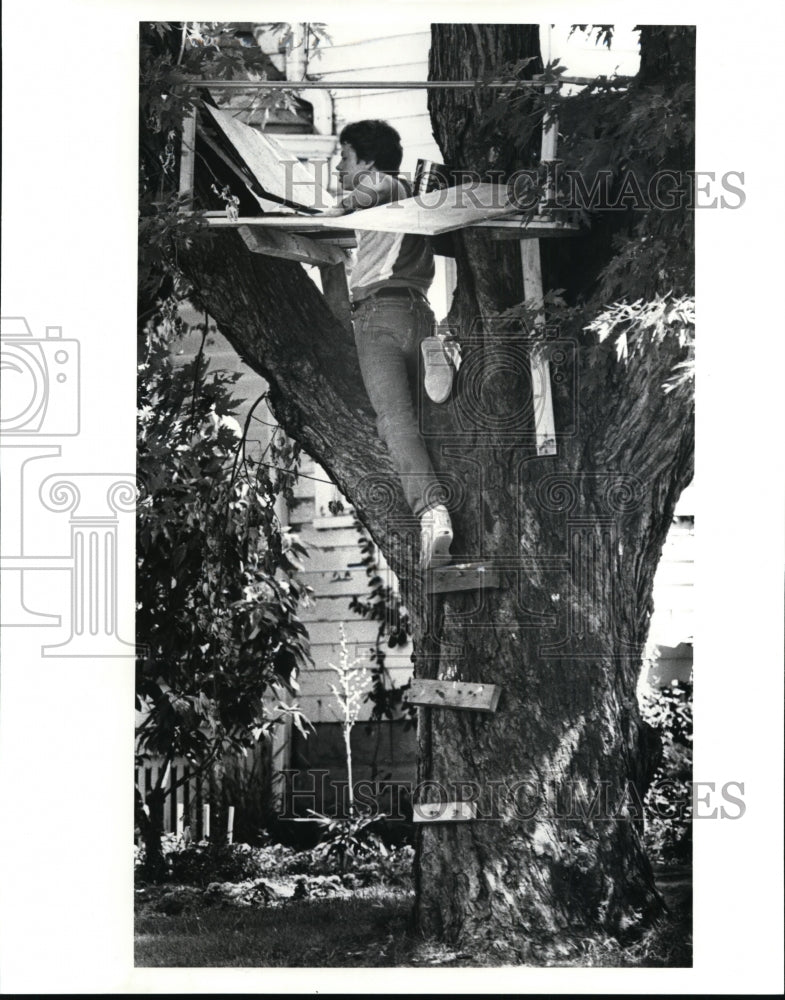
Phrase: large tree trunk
(557,771)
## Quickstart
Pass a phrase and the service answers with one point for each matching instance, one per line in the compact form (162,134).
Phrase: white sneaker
(435,537)
(441,361)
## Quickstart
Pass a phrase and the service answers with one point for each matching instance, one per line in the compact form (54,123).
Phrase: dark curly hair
(375,142)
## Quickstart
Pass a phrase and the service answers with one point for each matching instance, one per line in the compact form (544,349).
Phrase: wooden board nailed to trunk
(454,694)
(444,812)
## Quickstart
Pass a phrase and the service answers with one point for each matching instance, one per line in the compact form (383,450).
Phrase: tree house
(289,227)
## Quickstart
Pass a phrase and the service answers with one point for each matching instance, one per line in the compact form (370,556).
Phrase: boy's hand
(338,210)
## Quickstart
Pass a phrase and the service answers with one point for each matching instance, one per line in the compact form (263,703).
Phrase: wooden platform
(512,227)
(434,212)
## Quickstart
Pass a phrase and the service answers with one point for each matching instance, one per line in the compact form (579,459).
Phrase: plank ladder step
(461,576)
(454,694)
(444,812)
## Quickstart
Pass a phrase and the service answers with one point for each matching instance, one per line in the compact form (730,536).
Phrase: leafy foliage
(640,326)
(216,600)
(348,837)
(383,606)
(669,799)
(628,133)
(174,58)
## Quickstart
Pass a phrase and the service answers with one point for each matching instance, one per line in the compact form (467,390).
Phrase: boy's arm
(338,210)
(371,191)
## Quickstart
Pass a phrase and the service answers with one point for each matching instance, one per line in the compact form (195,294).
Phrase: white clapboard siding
(331,609)
(330,652)
(675,598)
(339,61)
(326,557)
(338,537)
(363,632)
(317,701)
(301,510)
(336,582)
(317,680)
(413,70)
(389,105)
(674,573)
(672,621)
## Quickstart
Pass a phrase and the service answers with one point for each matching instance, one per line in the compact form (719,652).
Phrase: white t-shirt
(386,260)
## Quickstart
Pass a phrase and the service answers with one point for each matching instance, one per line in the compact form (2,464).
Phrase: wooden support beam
(531,228)
(454,694)
(294,221)
(188,158)
(461,576)
(548,154)
(290,246)
(542,400)
(444,812)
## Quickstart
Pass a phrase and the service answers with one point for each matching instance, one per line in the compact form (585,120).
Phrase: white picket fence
(190,801)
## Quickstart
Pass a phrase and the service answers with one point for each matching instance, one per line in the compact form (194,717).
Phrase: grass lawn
(367,929)
(354,931)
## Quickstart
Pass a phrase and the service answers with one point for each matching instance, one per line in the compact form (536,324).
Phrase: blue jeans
(388,332)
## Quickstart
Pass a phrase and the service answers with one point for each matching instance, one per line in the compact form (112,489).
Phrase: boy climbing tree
(392,319)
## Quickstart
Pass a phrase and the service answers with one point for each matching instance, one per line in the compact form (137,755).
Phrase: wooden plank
(454,694)
(542,399)
(532,277)
(444,812)
(188,158)
(528,228)
(436,212)
(290,246)
(514,226)
(180,818)
(550,138)
(345,242)
(324,225)
(193,797)
(282,176)
(461,576)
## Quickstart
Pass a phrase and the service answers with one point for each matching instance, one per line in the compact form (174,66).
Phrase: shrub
(668,829)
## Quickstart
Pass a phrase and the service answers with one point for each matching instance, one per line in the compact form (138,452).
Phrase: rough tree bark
(557,771)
